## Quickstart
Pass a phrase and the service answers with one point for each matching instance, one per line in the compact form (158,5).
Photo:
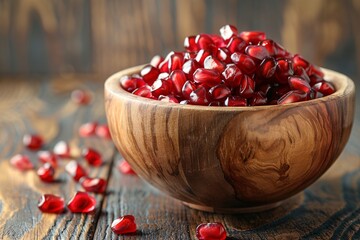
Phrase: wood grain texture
(252,155)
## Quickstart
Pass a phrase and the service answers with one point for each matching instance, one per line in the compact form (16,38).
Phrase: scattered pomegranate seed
(62,149)
(92,156)
(210,231)
(189,68)
(87,129)
(188,88)
(247,86)
(50,203)
(33,141)
(80,97)
(267,68)
(47,157)
(95,185)
(21,162)
(125,168)
(75,170)
(103,131)
(161,87)
(46,173)
(82,202)
(124,225)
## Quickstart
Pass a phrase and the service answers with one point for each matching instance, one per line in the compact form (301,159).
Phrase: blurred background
(101,37)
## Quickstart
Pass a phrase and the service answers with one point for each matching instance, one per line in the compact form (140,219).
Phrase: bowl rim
(343,84)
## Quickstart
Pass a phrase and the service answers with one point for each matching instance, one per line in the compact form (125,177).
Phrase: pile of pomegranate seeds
(125,224)
(210,231)
(230,69)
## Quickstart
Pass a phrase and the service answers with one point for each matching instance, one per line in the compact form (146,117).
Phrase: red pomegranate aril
(292,96)
(267,68)
(315,79)
(236,45)
(95,185)
(233,101)
(156,60)
(62,149)
(201,55)
(218,41)
(299,61)
(223,54)
(207,76)
(128,83)
(124,225)
(178,79)
(258,99)
(82,202)
(164,66)
(219,92)
(50,203)
(103,131)
(210,231)
(228,31)
(149,74)
(232,75)
(75,170)
(283,70)
(176,61)
(33,141)
(253,37)
(247,86)
(257,52)
(315,70)
(189,55)
(80,97)
(92,156)
(244,62)
(21,162)
(199,96)
(190,44)
(189,68)
(144,91)
(298,83)
(325,88)
(274,48)
(125,168)
(212,63)
(205,42)
(169,99)
(87,129)
(47,157)
(46,173)
(161,87)
(187,89)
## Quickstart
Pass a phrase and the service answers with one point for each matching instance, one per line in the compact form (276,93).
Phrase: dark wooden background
(101,37)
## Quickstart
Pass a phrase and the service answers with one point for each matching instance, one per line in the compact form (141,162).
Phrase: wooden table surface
(329,209)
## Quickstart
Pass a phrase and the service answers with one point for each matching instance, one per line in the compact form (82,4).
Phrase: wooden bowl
(230,159)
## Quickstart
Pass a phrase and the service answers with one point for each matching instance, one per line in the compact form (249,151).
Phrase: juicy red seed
(176,61)
(247,86)
(144,91)
(218,41)
(169,98)
(201,55)
(47,157)
(219,92)
(232,75)
(187,89)
(164,66)
(325,88)
(189,55)
(87,129)
(123,225)
(92,156)
(254,36)
(283,70)
(213,63)
(82,202)
(228,31)
(178,79)
(315,70)
(210,231)
(205,42)
(245,63)
(189,68)
(298,83)
(258,99)
(21,162)
(235,101)
(267,68)
(156,60)
(46,173)
(32,141)
(62,149)
(270,46)
(299,61)
(236,45)
(223,54)
(130,83)
(80,97)
(95,185)
(75,170)
(149,74)
(292,96)
(202,75)
(161,87)
(190,44)
(257,52)
(315,79)
(125,168)
(199,96)
(103,131)
(49,203)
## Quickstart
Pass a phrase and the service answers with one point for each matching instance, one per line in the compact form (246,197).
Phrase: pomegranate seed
(32,141)
(176,61)
(254,37)
(205,42)
(274,48)
(315,79)
(161,87)
(201,55)
(298,83)
(149,74)
(21,162)
(223,54)
(218,41)
(283,70)
(92,156)
(325,88)
(156,60)
(87,129)
(292,96)
(258,99)
(47,157)
(95,185)
(267,68)
(228,31)
(131,83)
(82,202)
(219,92)
(80,97)
(123,225)
(236,45)
(189,55)
(199,96)
(244,62)
(169,98)
(49,203)
(46,173)
(299,61)
(247,86)
(103,131)
(75,170)
(164,66)
(315,70)
(235,101)
(212,63)
(178,79)
(189,68)
(62,149)
(210,231)
(190,44)
(144,91)
(187,89)
(232,75)
(207,76)
(257,52)
(125,168)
